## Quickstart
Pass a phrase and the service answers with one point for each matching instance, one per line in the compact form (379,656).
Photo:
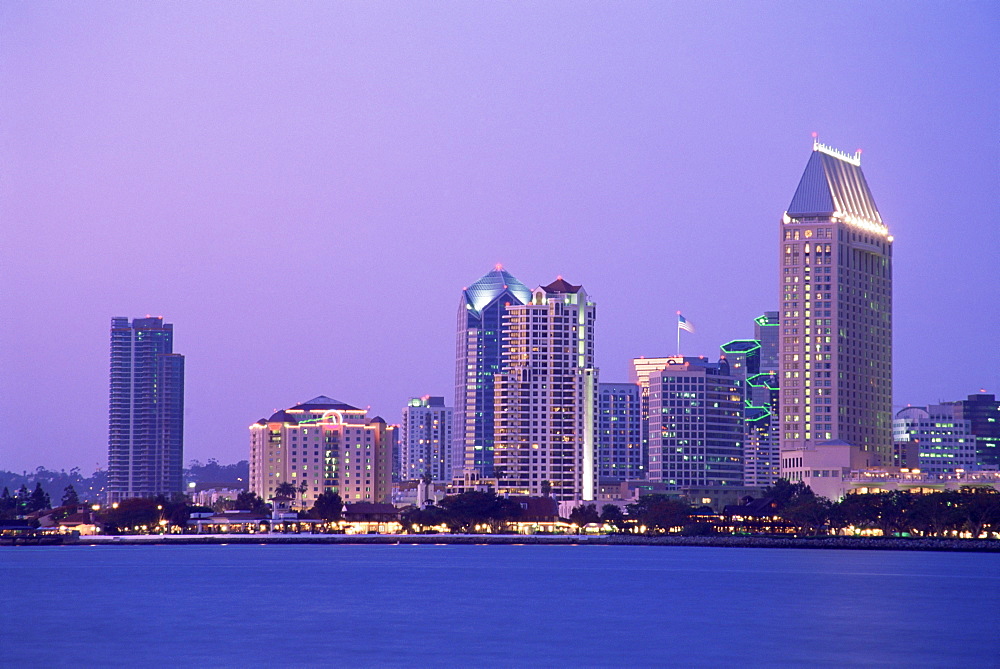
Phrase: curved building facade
(481,312)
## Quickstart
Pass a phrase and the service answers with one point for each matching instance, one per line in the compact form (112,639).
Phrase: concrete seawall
(836,543)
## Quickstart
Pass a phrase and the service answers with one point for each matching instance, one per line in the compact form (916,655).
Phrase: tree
(22,500)
(39,499)
(980,508)
(584,515)
(935,514)
(8,505)
(131,513)
(612,515)
(785,493)
(70,498)
(468,509)
(328,506)
(429,516)
(285,489)
(659,512)
(546,488)
(249,501)
(809,513)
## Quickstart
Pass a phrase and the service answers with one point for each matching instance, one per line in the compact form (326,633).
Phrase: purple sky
(303,189)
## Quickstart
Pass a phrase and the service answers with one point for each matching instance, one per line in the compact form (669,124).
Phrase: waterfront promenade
(837,543)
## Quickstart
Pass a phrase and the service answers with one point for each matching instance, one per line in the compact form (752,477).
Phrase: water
(496,606)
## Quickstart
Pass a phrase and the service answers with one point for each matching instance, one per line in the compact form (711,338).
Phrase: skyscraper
(835,334)
(761,461)
(425,447)
(545,397)
(619,433)
(146,410)
(481,312)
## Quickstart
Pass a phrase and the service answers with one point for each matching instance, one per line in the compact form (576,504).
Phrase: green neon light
(762,320)
(766,380)
(730,347)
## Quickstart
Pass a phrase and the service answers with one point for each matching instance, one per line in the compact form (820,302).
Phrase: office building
(835,343)
(619,433)
(639,370)
(146,410)
(481,312)
(695,424)
(322,445)
(426,441)
(944,441)
(982,410)
(545,398)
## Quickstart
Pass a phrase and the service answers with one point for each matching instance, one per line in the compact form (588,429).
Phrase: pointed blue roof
(492,285)
(833,183)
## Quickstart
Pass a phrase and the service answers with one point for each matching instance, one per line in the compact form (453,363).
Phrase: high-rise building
(761,459)
(983,413)
(322,445)
(695,424)
(944,441)
(545,397)
(146,410)
(425,446)
(619,433)
(836,311)
(481,312)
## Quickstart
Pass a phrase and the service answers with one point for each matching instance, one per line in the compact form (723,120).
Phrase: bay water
(495,606)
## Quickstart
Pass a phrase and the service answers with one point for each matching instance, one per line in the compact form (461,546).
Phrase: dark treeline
(93,488)
(787,508)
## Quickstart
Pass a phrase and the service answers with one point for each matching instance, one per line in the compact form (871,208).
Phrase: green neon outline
(756,346)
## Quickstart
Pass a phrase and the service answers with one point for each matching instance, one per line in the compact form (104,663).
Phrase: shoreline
(829,543)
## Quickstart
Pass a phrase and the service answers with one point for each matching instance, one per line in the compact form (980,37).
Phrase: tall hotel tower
(835,342)
(481,314)
(545,397)
(146,410)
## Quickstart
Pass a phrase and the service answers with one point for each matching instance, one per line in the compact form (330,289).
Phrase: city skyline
(447,155)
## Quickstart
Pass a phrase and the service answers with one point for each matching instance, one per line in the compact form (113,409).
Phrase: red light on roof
(815,135)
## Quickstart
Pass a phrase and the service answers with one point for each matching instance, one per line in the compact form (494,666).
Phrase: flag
(684,324)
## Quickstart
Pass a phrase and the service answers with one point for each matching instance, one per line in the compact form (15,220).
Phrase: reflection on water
(495,606)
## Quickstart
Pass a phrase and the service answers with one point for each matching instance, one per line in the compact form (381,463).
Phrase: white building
(426,444)
(945,442)
(545,397)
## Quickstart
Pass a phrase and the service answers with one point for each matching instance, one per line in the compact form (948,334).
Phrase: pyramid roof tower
(834,185)
(491,286)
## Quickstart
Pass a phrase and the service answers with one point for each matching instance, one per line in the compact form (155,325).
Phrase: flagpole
(678,335)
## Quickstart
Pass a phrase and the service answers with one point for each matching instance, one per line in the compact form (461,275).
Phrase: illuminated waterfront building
(695,424)
(322,445)
(835,346)
(426,441)
(619,433)
(545,397)
(146,410)
(481,312)
(944,440)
